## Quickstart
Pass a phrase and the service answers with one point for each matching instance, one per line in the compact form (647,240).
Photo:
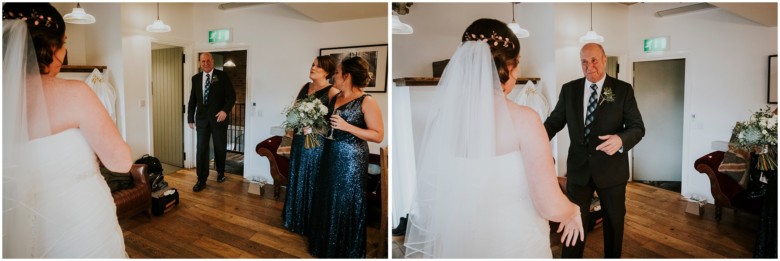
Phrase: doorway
(234,64)
(659,87)
(167,100)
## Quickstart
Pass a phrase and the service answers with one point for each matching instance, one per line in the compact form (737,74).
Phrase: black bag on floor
(164,200)
(155,173)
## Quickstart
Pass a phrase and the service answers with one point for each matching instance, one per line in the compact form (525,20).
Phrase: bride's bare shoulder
(521,114)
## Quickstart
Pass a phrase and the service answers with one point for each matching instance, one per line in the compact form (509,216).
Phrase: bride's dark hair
(504,45)
(45,25)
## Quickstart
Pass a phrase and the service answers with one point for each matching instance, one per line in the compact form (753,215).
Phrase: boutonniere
(607,95)
(214,79)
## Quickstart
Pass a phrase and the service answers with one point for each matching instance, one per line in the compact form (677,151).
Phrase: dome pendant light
(158,26)
(515,27)
(79,16)
(591,36)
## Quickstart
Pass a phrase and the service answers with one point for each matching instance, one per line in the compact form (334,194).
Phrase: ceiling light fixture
(591,36)
(229,63)
(515,27)
(158,26)
(79,16)
(398,26)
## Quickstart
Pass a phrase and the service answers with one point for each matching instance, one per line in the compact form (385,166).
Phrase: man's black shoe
(221,178)
(199,186)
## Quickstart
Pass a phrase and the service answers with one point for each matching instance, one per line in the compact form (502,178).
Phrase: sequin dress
(304,167)
(338,220)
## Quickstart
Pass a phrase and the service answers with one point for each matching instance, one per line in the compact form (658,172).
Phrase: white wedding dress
(473,198)
(71,211)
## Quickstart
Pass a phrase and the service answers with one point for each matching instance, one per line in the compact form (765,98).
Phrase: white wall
(281,44)
(726,77)
(136,55)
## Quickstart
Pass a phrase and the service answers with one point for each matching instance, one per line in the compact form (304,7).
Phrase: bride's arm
(547,196)
(98,128)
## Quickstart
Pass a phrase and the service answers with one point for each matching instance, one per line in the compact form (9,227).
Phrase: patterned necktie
(206,89)
(592,101)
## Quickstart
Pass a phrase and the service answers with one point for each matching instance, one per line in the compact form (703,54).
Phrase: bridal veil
(23,106)
(468,131)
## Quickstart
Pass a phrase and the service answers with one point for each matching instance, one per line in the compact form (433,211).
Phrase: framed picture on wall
(376,55)
(772,90)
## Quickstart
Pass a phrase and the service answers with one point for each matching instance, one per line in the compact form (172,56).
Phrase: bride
(486,185)
(55,202)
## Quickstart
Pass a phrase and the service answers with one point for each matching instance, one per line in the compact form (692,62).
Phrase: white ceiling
(762,13)
(333,12)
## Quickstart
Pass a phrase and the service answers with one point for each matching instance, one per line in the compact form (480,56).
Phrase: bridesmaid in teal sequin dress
(305,163)
(338,220)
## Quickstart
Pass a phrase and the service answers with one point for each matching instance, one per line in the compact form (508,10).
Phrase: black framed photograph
(772,89)
(376,55)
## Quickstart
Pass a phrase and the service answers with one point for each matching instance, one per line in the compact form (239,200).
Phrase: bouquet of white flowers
(308,116)
(759,134)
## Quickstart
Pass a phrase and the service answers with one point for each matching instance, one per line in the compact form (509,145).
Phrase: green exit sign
(219,36)
(657,44)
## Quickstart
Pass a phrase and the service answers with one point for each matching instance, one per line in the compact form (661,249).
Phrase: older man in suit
(604,123)
(211,100)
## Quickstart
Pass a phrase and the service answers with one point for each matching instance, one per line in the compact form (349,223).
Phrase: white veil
(23,99)
(469,126)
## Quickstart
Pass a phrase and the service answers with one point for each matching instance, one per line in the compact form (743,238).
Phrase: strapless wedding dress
(484,210)
(72,211)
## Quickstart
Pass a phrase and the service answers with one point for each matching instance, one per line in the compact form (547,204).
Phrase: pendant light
(398,26)
(515,27)
(229,63)
(79,16)
(591,36)
(158,26)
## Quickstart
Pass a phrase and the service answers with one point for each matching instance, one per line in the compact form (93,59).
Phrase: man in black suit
(604,124)
(211,100)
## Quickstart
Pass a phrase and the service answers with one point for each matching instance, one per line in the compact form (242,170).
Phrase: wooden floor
(222,221)
(658,227)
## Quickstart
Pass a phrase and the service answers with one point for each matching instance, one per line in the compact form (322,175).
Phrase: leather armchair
(726,191)
(280,166)
(137,199)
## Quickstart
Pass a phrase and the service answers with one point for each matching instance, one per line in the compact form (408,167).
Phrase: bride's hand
(572,228)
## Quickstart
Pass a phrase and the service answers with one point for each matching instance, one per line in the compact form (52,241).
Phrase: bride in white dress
(55,202)
(486,186)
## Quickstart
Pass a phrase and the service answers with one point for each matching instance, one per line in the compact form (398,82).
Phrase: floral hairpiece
(494,38)
(35,19)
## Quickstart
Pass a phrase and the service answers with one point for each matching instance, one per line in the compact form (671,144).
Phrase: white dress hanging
(104,91)
(531,97)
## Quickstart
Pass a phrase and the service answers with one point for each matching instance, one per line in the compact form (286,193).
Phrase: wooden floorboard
(222,221)
(657,227)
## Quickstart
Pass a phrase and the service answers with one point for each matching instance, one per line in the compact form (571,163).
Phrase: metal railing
(235,133)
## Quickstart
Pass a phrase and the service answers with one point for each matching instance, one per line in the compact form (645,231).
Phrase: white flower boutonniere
(607,95)
(214,79)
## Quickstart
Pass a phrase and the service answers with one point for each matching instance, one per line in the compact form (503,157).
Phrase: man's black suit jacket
(620,116)
(222,96)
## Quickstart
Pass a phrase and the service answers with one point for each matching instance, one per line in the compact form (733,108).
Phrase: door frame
(688,115)
(186,85)
(190,141)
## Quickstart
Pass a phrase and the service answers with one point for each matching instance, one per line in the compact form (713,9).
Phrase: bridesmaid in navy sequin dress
(338,221)
(305,163)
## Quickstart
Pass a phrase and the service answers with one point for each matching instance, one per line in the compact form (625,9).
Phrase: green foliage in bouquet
(308,117)
(759,134)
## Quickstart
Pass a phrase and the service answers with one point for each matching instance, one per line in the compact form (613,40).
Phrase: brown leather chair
(280,166)
(137,199)
(726,191)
